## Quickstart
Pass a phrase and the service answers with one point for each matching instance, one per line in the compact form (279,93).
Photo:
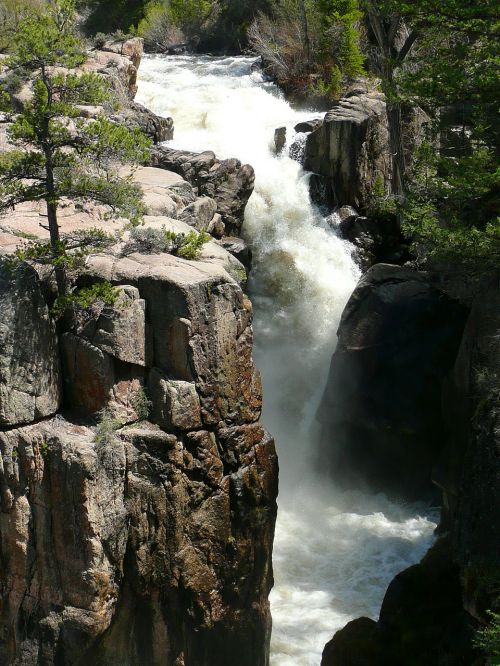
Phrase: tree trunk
(307,39)
(60,270)
(392,56)
(397,148)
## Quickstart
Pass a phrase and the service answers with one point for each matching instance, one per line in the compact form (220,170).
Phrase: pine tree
(58,155)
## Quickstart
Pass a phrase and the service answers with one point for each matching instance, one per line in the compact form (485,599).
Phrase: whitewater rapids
(334,552)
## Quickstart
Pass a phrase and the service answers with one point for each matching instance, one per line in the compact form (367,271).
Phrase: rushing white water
(335,553)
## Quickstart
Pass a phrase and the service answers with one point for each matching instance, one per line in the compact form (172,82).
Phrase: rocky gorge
(150,541)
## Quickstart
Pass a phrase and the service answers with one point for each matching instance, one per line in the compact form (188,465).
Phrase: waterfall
(335,552)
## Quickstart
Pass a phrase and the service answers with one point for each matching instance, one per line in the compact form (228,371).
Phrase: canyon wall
(137,484)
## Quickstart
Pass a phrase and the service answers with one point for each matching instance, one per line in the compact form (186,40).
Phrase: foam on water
(335,553)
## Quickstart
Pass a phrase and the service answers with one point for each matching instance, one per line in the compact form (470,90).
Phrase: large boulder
(376,239)
(381,411)
(136,116)
(421,621)
(228,182)
(350,149)
(30,379)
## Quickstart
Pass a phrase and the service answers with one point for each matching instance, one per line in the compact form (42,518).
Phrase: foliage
(159,29)
(58,155)
(170,22)
(312,43)
(157,241)
(381,204)
(341,34)
(107,426)
(12,13)
(101,292)
(488,640)
(99,40)
(114,14)
(450,209)
(434,54)
(142,405)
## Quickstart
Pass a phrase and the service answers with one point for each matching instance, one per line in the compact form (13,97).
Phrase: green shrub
(381,204)
(99,40)
(142,405)
(101,292)
(450,213)
(488,640)
(107,426)
(157,241)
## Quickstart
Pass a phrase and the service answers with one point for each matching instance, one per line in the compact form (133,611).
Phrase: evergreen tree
(58,155)
(443,56)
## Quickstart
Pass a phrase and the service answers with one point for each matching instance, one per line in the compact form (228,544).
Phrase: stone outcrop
(279,139)
(468,471)
(141,534)
(122,56)
(228,182)
(136,116)
(118,63)
(380,415)
(30,379)
(432,611)
(349,151)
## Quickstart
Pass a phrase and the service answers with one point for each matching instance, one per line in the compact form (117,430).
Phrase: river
(335,552)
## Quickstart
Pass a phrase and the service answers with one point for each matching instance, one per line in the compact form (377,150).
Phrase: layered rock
(381,416)
(349,151)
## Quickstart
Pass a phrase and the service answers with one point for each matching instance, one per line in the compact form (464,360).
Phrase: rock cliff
(431,611)
(350,149)
(137,485)
(381,413)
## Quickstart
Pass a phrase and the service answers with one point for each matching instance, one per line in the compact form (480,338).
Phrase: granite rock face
(30,378)
(381,412)
(136,116)
(142,535)
(350,150)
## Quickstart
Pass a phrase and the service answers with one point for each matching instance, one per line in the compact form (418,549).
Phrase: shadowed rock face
(381,414)
(469,468)
(421,622)
(432,611)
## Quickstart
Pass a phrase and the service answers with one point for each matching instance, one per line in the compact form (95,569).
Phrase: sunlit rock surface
(149,541)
